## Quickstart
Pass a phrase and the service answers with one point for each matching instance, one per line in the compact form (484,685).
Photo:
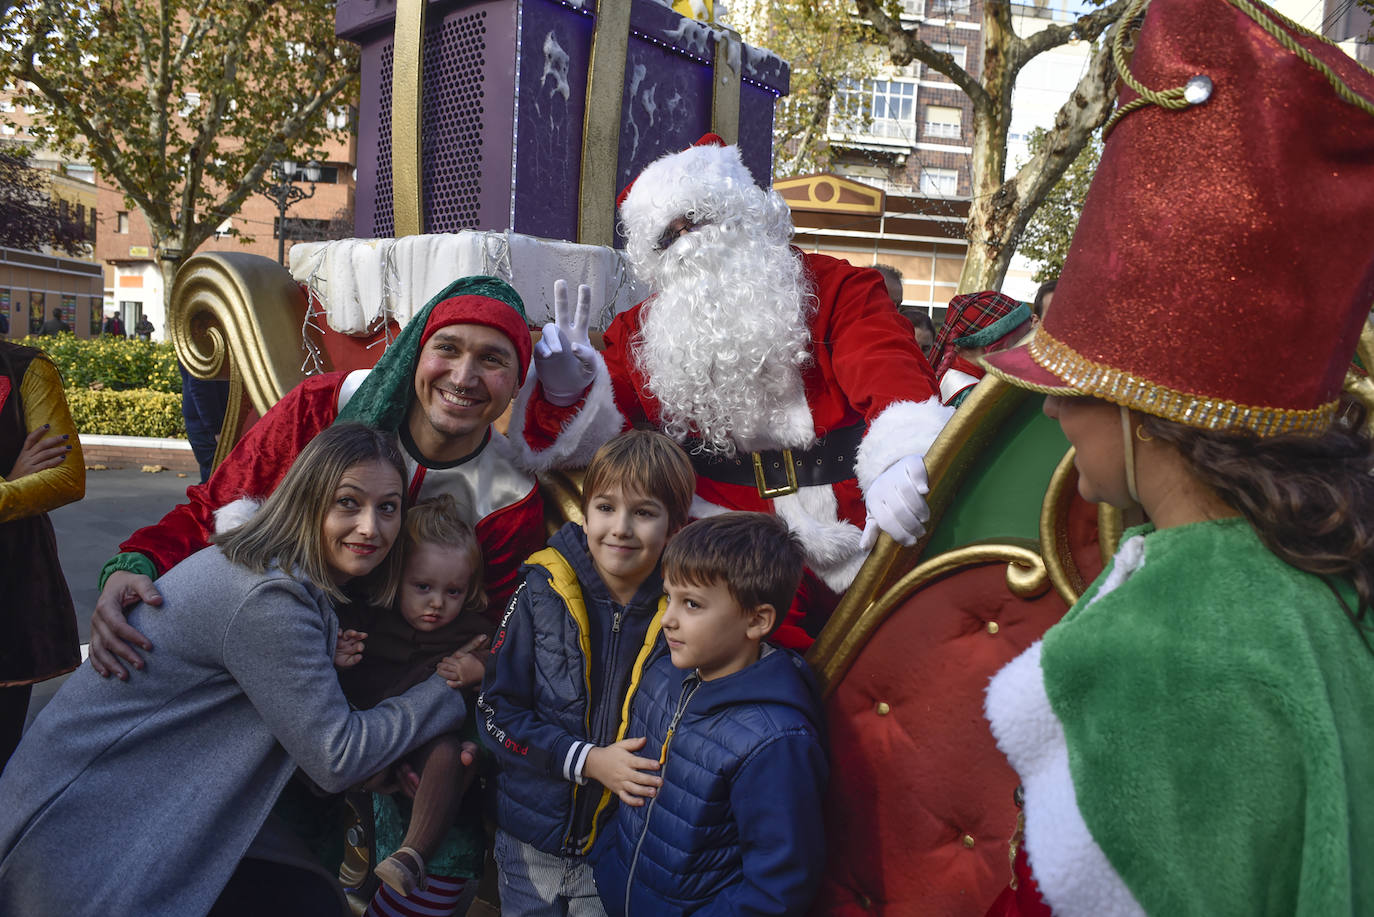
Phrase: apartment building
(38,286)
(902,142)
(133,278)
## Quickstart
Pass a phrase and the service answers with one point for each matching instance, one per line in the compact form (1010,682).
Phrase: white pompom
(232,515)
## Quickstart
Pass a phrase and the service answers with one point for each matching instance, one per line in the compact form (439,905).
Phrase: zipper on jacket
(689,687)
(607,709)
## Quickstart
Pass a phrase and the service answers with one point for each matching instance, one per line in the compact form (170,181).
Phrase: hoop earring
(1141,435)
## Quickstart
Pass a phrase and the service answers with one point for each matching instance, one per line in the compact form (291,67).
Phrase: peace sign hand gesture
(563,358)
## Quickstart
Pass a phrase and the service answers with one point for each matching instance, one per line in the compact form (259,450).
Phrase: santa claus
(789,378)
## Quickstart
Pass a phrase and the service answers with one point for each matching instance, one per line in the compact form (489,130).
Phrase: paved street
(89,532)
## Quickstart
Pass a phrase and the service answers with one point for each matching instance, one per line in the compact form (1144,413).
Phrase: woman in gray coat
(189,755)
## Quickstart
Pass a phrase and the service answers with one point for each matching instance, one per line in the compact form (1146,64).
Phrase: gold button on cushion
(968,841)
(992,627)
(882,708)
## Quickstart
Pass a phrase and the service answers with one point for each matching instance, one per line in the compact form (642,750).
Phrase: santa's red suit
(866,384)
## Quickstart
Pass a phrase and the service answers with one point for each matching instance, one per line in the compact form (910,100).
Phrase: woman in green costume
(1195,736)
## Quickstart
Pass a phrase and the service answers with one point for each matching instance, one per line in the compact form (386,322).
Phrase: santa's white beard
(724,340)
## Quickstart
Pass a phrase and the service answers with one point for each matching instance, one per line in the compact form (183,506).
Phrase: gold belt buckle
(768,493)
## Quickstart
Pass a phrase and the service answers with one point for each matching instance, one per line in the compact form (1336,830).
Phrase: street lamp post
(286,192)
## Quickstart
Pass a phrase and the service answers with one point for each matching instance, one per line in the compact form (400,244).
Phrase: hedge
(117,363)
(129,413)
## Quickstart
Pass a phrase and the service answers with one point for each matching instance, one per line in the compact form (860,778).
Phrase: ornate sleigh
(919,811)
(920,807)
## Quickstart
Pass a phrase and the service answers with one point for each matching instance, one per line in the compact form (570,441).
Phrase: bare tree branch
(904,47)
(1087,28)
(1086,109)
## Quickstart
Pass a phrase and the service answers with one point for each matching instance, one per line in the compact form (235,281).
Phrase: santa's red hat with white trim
(706,183)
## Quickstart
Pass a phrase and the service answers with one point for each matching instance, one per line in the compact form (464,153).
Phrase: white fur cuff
(584,433)
(232,515)
(1073,873)
(903,428)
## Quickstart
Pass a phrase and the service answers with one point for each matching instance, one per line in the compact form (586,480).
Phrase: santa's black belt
(779,472)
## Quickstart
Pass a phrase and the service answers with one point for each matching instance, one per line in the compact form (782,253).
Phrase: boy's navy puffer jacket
(544,703)
(736,827)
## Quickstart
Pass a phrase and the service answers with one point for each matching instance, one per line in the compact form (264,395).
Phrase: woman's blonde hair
(438,521)
(288,528)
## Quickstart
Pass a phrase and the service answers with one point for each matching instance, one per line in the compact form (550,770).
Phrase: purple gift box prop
(505,89)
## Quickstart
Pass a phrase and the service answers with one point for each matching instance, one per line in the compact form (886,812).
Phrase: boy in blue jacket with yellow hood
(569,650)
(736,826)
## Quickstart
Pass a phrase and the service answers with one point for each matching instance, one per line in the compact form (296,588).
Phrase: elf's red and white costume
(748,347)
(500,500)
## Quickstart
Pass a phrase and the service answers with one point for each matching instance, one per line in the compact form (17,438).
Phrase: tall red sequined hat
(1224,264)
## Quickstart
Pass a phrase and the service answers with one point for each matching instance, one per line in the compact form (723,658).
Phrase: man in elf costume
(976,324)
(789,378)
(450,372)
(1196,736)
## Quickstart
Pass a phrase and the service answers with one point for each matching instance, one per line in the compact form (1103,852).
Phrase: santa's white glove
(564,359)
(897,503)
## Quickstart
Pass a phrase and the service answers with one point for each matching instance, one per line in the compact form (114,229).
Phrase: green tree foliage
(1050,229)
(824,45)
(183,104)
(110,362)
(30,217)
(137,412)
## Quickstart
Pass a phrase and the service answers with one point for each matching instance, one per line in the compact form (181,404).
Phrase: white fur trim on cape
(1071,870)
(903,428)
(1129,558)
(1073,873)
(597,421)
(351,383)
(232,515)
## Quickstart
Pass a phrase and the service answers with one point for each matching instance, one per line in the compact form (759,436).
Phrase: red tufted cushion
(919,812)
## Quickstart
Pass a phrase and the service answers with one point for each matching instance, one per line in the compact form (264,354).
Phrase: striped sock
(439,899)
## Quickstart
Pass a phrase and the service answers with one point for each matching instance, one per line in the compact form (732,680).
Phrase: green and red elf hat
(976,320)
(1223,266)
(384,396)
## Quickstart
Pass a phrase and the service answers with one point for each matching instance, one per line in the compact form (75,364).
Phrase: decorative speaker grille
(455,93)
(451,131)
(384,218)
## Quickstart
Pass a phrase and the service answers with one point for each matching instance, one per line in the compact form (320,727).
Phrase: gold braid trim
(1083,376)
(1265,19)
(1017,838)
